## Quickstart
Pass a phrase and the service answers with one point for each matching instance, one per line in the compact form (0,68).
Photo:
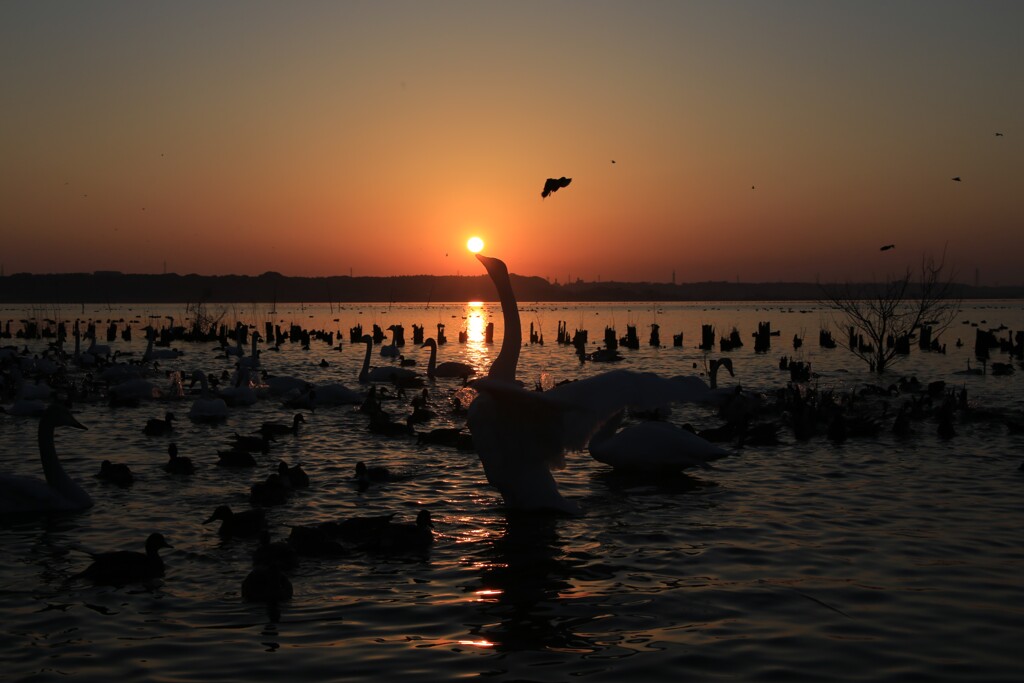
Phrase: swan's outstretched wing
(592,401)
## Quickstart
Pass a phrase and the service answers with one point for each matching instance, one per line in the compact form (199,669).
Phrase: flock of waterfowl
(520,435)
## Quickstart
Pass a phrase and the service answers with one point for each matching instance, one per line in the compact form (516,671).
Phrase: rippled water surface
(877,559)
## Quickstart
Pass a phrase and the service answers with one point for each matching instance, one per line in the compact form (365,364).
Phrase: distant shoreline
(109,287)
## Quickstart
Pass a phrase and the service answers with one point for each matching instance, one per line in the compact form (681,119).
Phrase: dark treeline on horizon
(113,287)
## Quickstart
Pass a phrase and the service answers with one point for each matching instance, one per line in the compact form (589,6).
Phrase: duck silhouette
(126,566)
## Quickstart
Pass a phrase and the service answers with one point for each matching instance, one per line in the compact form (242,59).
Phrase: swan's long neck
(366,360)
(432,364)
(55,474)
(504,366)
(56,478)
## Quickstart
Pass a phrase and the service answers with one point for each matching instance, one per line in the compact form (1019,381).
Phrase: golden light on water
(476,326)
(475,244)
(477,643)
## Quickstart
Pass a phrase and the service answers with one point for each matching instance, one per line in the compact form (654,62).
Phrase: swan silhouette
(448,368)
(59,492)
(520,436)
(651,447)
(151,354)
(399,375)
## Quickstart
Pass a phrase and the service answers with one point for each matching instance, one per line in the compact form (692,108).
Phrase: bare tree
(884,317)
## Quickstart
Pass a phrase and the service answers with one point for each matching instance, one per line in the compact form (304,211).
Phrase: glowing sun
(475,244)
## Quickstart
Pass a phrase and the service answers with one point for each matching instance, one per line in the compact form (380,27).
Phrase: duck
(293,477)
(279,554)
(452,369)
(359,529)
(58,492)
(115,473)
(235,458)
(157,427)
(365,476)
(245,523)
(381,423)
(253,444)
(177,464)
(315,541)
(398,538)
(272,491)
(269,429)
(126,566)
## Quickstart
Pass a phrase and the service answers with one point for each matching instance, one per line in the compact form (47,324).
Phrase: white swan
(448,368)
(522,435)
(335,394)
(241,391)
(59,492)
(135,389)
(252,360)
(151,354)
(651,447)
(206,408)
(395,375)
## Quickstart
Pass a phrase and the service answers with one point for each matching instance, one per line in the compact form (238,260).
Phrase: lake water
(880,558)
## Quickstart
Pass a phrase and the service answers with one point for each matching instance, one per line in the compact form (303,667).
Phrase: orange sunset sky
(755,140)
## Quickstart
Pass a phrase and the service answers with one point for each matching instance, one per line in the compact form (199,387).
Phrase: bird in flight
(887,247)
(553,185)
(999,135)
(957,178)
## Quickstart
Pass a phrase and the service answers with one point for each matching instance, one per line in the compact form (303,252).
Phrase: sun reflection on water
(477,351)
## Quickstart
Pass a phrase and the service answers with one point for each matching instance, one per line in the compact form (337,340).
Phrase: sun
(475,244)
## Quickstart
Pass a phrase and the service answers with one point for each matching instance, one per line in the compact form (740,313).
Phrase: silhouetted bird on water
(554,184)
(120,567)
(887,247)
(115,473)
(957,178)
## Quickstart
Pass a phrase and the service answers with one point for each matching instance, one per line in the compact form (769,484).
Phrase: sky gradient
(762,141)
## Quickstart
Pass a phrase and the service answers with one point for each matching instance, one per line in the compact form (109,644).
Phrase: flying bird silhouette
(999,135)
(957,178)
(888,247)
(554,184)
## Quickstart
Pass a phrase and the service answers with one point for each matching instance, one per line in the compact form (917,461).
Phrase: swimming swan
(651,447)
(448,368)
(395,375)
(59,493)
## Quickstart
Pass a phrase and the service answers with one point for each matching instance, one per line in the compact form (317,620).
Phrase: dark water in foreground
(878,559)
